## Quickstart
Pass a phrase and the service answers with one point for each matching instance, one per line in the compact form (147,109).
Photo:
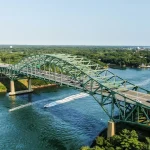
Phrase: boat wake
(67,99)
(28,104)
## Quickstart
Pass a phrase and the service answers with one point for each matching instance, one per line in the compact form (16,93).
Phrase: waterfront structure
(128,102)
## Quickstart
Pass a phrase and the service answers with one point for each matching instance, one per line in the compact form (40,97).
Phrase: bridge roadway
(137,97)
(2,65)
(64,79)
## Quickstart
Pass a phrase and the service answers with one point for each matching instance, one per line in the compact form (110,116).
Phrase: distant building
(140,48)
(11,46)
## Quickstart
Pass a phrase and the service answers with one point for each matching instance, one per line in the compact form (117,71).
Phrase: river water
(66,126)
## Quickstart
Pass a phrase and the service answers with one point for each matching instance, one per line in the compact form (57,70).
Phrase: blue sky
(75,22)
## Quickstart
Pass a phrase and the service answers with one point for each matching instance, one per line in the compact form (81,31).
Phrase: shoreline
(141,131)
(127,67)
(144,67)
(113,66)
(34,87)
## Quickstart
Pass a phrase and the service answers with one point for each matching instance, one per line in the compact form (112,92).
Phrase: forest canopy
(105,56)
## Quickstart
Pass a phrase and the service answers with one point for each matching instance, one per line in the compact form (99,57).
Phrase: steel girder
(116,96)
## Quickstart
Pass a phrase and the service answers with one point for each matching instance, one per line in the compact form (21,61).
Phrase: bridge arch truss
(120,99)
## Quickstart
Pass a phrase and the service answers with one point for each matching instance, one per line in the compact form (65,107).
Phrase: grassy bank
(22,84)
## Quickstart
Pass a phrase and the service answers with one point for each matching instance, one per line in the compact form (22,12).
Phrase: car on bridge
(148,101)
(138,101)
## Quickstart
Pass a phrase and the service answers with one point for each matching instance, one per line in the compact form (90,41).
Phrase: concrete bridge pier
(12,88)
(110,129)
(29,84)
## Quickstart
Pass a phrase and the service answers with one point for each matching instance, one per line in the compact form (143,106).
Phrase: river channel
(66,126)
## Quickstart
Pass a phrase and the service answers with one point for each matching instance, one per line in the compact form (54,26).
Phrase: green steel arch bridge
(120,99)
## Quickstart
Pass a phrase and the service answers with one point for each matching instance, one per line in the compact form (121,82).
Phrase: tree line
(104,56)
(125,140)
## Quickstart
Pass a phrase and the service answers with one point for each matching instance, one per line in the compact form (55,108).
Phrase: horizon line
(68,45)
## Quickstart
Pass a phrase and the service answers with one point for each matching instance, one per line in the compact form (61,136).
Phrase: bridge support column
(12,87)
(13,92)
(29,84)
(111,129)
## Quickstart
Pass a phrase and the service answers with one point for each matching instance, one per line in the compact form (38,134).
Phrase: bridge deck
(131,100)
(137,97)
(2,65)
